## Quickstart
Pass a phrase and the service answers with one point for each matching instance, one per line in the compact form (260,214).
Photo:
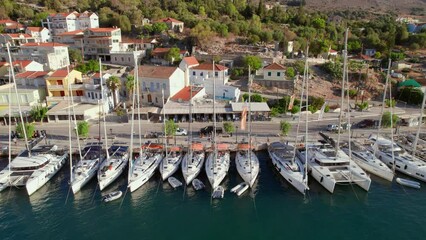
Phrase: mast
(73,112)
(214,122)
(19,102)
(391,124)
(420,124)
(139,108)
(305,78)
(249,121)
(348,115)
(10,123)
(345,56)
(133,117)
(190,122)
(70,138)
(103,108)
(164,120)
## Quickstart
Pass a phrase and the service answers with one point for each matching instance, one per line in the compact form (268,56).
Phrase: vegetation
(88,67)
(229,127)
(315,103)
(113,84)
(29,129)
(390,102)
(173,55)
(362,106)
(254,62)
(254,97)
(38,113)
(386,120)
(285,127)
(290,73)
(75,56)
(171,128)
(352,93)
(295,109)
(411,95)
(83,129)
(335,69)
(130,84)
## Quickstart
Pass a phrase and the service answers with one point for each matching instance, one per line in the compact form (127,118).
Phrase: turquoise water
(156,211)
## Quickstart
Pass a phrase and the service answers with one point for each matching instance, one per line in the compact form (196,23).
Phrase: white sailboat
(284,157)
(33,167)
(246,160)
(117,155)
(87,167)
(218,161)
(173,158)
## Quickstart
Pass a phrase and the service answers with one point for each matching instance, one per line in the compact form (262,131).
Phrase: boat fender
(322,178)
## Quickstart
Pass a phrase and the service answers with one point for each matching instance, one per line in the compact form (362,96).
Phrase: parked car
(209,130)
(332,127)
(152,135)
(181,132)
(366,123)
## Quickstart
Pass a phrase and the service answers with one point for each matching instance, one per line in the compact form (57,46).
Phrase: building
(16,39)
(32,78)
(185,65)
(188,93)
(59,83)
(370,52)
(59,23)
(101,42)
(93,93)
(74,38)
(40,34)
(27,95)
(159,55)
(273,75)
(19,67)
(173,24)
(156,78)
(10,26)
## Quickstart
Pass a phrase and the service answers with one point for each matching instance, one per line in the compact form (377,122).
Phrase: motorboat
(112,196)
(217,164)
(197,184)
(87,167)
(408,183)
(192,162)
(113,166)
(367,161)
(247,163)
(240,188)
(330,167)
(174,182)
(171,162)
(288,165)
(404,162)
(144,166)
(218,192)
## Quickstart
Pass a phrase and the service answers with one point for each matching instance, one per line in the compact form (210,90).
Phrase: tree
(130,84)
(229,127)
(390,103)
(386,119)
(83,129)
(90,66)
(254,97)
(29,129)
(362,106)
(290,73)
(159,27)
(173,55)
(113,84)
(254,62)
(75,55)
(38,113)
(171,128)
(318,22)
(285,127)
(295,109)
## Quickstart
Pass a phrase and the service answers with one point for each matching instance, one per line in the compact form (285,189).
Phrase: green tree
(130,84)
(159,27)
(295,109)
(318,23)
(113,84)
(124,23)
(173,55)
(254,62)
(390,103)
(83,129)
(202,11)
(38,113)
(290,73)
(362,106)
(285,127)
(386,120)
(75,55)
(29,129)
(229,127)
(171,128)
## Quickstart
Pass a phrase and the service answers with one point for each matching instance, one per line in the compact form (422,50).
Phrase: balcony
(92,86)
(56,87)
(64,98)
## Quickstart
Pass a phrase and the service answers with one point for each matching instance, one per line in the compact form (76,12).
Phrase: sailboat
(193,161)
(150,155)
(284,157)
(328,164)
(173,158)
(32,168)
(117,154)
(218,161)
(246,160)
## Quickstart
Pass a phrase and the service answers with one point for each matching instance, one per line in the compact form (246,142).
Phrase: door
(149,98)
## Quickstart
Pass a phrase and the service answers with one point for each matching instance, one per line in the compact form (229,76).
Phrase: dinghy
(408,183)
(112,196)
(218,192)
(174,182)
(240,188)
(197,184)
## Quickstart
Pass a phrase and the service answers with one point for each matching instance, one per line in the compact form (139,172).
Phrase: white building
(185,65)
(155,78)
(93,93)
(32,78)
(204,72)
(100,42)
(74,38)
(16,39)
(66,22)
(40,34)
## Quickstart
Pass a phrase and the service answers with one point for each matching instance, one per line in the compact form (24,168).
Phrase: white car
(181,132)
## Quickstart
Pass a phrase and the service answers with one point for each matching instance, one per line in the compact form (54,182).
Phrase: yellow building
(59,83)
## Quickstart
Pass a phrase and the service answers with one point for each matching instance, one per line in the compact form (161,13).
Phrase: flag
(322,111)
(291,103)
(243,118)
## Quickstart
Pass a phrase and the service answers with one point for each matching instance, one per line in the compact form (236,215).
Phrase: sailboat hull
(105,182)
(83,178)
(247,168)
(191,166)
(169,166)
(143,171)
(216,169)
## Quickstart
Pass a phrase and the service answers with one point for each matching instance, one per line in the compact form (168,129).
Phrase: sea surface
(272,211)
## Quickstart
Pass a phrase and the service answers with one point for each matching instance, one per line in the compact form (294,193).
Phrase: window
(193,73)
(164,86)
(143,86)
(156,99)
(201,73)
(278,74)
(158,86)
(269,74)
(96,95)
(151,87)
(216,74)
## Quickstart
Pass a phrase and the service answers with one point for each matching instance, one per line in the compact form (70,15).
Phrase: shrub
(295,109)
(386,120)
(362,106)
(83,129)
(228,127)
(29,129)
(327,108)
(285,127)
(390,103)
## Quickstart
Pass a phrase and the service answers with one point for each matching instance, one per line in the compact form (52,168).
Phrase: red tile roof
(35,29)
(4,21)
(103,29)
(60,73)
(18,35)
(332,51)
(31,74)
(191,61)
(169,19)
(47,44)
(185,93)
(274,66)
(71,33)
(22,63)
(155,71)
(209,67)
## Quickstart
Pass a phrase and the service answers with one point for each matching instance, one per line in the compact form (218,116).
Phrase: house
(185,94)
(159,55)
(61,110)
(32,78)
(156,78)
(59,83)
(101,42)
(173,24)
(28,96)
(416,27)
(73,38)
(19,67)
(274,71)
(400,65)
(332,53)
(66,22)
(40,34)
(185,65)
(149,43)
(370,52)
(93,93)
(10,26)
(16,39)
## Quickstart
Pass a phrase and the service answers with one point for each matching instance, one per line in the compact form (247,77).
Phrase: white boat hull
(169,166)
(142,172)
(83,178)
(105,182)
(247,168)
(383,173)
(191,166)
(407,168)
(216,169)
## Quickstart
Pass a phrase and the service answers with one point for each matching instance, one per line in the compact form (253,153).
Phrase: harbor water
(273,210)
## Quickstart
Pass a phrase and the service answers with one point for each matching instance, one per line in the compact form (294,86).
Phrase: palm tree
(130,81)
(113,84)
